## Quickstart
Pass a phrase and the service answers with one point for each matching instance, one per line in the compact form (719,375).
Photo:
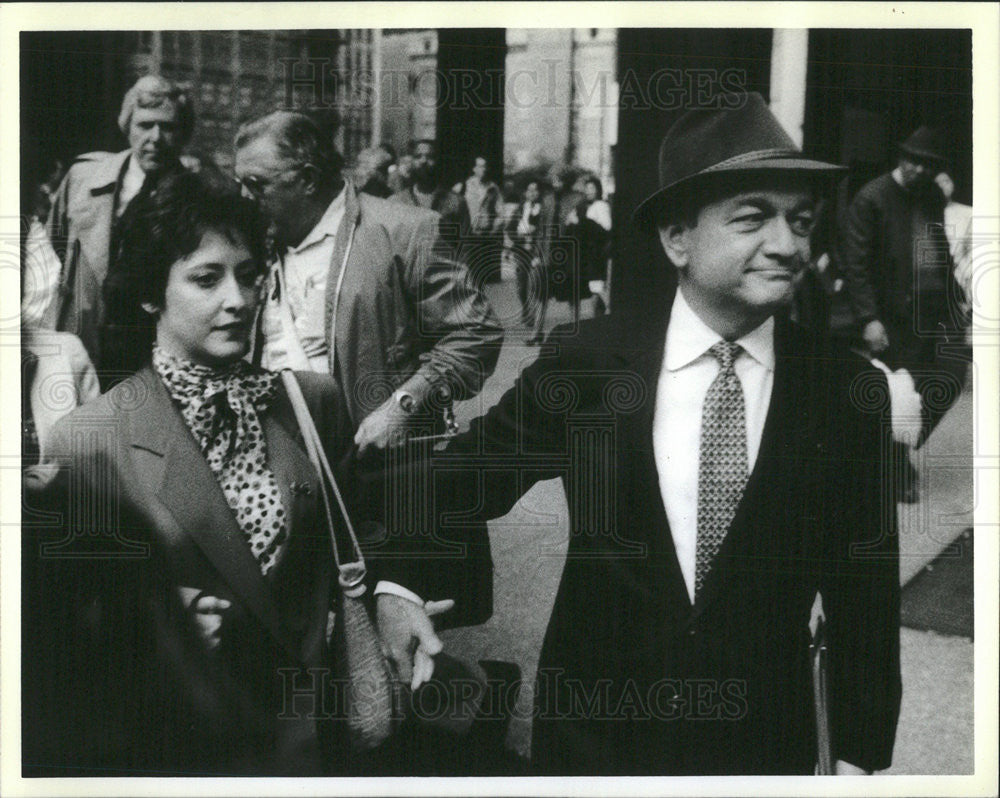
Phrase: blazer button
(692,632)
(300,488)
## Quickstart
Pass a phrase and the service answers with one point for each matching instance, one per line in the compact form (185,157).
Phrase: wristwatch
(406,401)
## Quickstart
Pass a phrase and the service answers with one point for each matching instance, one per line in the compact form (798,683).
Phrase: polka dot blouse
(220,407)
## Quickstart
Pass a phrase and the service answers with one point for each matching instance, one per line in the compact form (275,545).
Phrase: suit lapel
(784,429)
(174,467)
(95,222)
(646,359)
(291,464)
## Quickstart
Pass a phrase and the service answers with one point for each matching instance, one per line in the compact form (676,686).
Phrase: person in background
(897,271)
(88,211)
(166,639)
(401,173)
(563,199)
(362,289)
(371,174)
(526,230)
(427,192)
(56,372)
(200,162)
(958,229)
(592,220)
(485,208)
(50,185)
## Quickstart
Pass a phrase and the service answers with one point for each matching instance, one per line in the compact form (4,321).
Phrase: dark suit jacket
(896,263)
(633,679)
(118,680)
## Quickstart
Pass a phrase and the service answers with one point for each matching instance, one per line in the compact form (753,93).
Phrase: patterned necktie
(722,465)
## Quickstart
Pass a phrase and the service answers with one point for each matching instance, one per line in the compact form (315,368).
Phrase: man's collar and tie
(131,184)
(712,400)
(688,337)
(722,464)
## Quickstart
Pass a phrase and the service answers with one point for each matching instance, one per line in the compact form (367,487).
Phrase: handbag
(455,702)
(372,694)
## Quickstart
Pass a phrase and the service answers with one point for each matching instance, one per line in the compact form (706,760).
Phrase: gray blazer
(128,684)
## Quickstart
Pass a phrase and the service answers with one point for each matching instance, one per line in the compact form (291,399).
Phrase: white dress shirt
(132,182)
(685,376)
(300,277)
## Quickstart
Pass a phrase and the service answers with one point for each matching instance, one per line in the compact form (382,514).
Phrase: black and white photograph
(500,399)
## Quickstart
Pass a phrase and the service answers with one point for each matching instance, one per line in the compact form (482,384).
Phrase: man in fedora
(898,273)
(721,468)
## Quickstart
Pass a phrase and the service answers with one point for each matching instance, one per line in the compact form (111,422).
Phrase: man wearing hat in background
(721,468)
(898,273)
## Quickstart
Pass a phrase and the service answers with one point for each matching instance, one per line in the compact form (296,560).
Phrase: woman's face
(210,301)
(591,191)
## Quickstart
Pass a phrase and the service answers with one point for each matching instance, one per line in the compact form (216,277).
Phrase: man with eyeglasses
(363,289)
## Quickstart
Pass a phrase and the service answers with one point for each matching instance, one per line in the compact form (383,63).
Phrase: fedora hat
(743,138)
(925,143)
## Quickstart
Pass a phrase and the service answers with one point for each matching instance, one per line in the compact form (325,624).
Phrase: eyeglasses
(258,185)
(253,184)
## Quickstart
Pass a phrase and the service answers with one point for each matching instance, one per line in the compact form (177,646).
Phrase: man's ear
(674,239)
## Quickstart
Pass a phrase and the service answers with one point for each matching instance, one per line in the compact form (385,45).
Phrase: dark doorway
(470,114)
(71,92)
(867,90)
(661,74)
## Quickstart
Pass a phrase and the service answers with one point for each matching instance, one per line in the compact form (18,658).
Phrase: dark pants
(531,289)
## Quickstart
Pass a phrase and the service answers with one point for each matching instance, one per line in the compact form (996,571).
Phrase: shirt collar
(132,179)
(326,226)
(688,338)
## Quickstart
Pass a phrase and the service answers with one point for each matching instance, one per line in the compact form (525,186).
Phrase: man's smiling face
(741,257)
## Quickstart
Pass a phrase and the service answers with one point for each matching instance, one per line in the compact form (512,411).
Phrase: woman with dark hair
(526,231)
(186,601)
(588,226)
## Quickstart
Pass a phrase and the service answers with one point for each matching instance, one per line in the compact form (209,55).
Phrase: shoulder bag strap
(352,573)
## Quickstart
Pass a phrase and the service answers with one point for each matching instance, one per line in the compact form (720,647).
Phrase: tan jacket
(402,311)
(79,228)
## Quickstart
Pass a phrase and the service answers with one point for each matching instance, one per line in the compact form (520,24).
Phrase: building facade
(232,76)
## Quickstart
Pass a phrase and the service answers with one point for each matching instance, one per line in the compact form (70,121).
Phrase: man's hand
(408,635)
(382,427)
(876,338)
(842,768)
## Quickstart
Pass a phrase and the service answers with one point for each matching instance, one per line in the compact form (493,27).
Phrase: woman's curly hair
(163,226)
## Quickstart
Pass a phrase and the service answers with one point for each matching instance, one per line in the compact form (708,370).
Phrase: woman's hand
(207,612)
